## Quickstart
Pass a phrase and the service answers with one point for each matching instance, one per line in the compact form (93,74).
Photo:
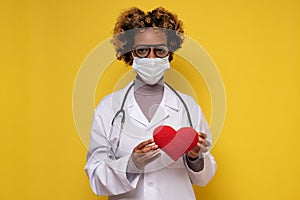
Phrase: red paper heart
(173,143)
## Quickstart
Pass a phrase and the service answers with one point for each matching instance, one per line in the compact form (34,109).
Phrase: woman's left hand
(201,147)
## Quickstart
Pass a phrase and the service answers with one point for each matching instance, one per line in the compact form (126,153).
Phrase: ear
(131,58)
(170,56)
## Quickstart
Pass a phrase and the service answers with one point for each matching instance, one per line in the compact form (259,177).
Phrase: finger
(201,144)
(206,143)
(146,158)
(197,147)
(146,149)
(193,154)
(202,135)
(204,150)
(143,144)
(151,153)
(154,147)
(149,148)
(201,140)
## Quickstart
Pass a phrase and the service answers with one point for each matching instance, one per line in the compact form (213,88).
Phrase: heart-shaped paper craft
(173,143)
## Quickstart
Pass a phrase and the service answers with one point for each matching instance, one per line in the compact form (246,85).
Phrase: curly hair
(132,20)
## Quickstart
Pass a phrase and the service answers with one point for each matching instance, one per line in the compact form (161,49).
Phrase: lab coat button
(150,184)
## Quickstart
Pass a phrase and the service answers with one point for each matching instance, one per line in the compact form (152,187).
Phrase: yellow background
(255,44)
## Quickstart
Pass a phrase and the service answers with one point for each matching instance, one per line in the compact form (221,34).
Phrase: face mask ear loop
(132,55)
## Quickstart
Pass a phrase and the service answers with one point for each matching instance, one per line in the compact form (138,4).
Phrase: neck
(140,87)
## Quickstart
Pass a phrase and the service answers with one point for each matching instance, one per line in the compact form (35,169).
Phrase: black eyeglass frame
(149,48)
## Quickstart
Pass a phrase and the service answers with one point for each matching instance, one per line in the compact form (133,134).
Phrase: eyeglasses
(143,51)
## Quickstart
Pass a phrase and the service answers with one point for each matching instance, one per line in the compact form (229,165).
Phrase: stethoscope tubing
(122,111)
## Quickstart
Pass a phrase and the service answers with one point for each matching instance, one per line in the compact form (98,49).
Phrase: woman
(123,161)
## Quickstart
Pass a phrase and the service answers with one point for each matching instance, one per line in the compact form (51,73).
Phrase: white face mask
(151,70)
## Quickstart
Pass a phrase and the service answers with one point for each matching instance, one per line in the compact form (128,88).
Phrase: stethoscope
(113,151)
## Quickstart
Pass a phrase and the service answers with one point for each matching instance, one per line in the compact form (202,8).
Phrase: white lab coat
(163,178)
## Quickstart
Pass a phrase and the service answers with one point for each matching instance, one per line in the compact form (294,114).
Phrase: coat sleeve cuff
(122,165)
(195,165)
(204,176)
(132,172)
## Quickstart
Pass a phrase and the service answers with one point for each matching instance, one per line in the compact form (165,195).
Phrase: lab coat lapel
(162,113)
(134,111)
(168,100)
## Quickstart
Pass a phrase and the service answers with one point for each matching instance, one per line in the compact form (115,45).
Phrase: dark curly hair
(132,20)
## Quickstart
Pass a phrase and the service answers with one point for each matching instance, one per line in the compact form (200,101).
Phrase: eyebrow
(150,45)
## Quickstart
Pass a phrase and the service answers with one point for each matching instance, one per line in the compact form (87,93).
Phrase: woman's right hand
(144,153)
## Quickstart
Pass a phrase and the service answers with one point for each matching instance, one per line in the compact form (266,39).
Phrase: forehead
(150,36)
